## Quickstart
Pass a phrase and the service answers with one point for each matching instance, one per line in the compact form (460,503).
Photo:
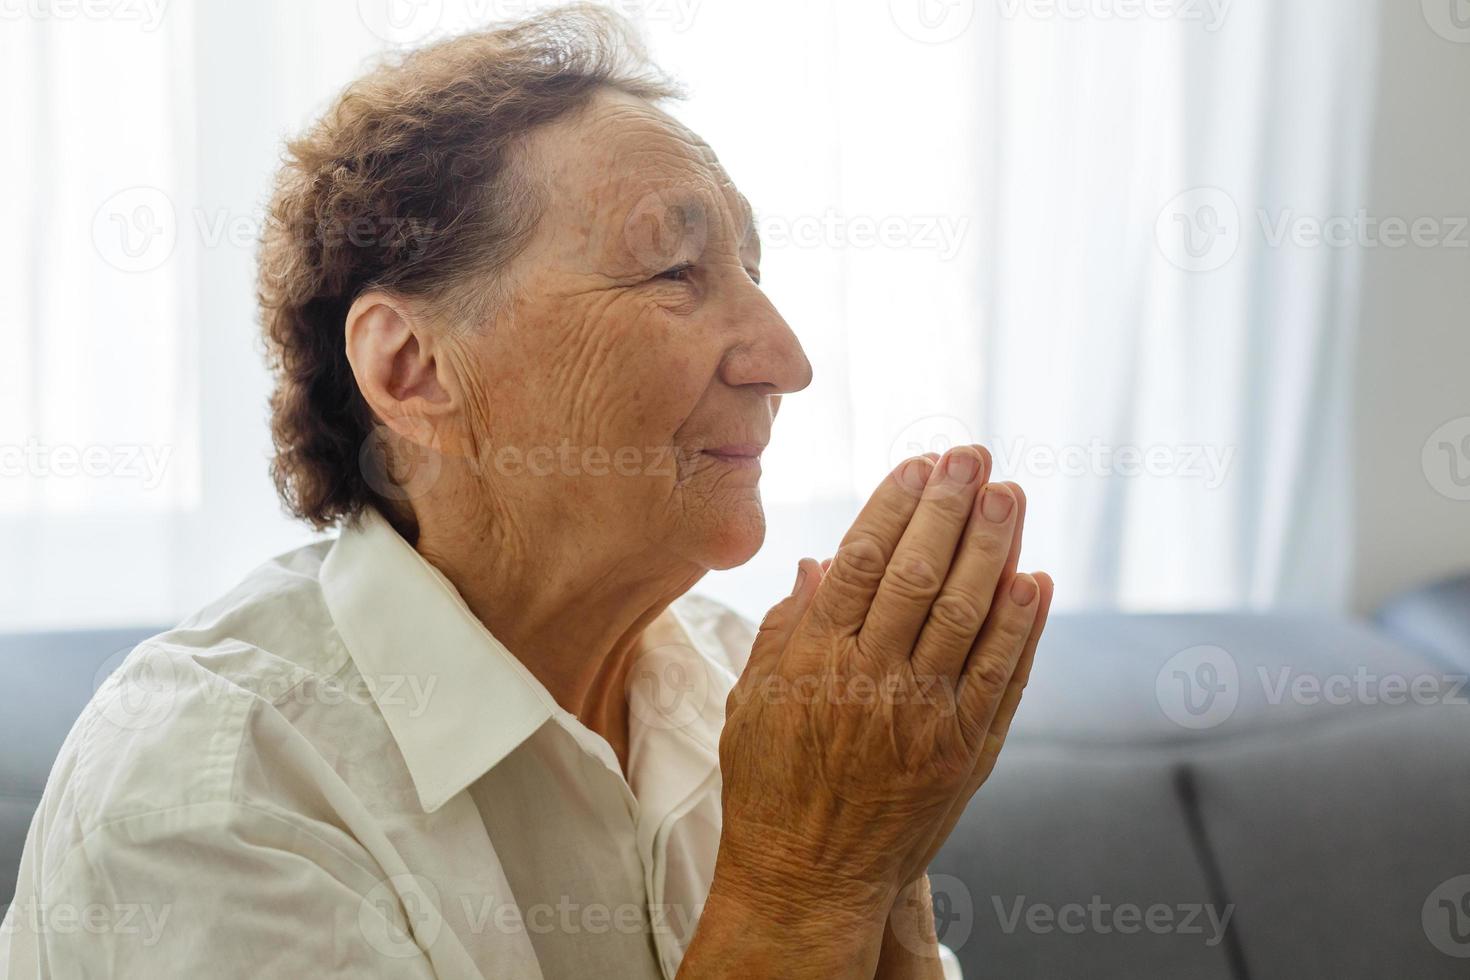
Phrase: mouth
(740,454)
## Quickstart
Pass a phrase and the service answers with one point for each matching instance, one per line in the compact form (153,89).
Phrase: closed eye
(679,273)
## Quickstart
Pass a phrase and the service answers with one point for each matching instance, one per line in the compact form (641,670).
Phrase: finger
(781,621)
(988,672)
(1014,559)
(995,736)
(968,594)
(1005,713)
(847,589)
(924,554)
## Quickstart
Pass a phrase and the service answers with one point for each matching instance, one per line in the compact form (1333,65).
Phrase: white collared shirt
(335,770)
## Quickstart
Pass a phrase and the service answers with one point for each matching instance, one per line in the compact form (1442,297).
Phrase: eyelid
(672,270)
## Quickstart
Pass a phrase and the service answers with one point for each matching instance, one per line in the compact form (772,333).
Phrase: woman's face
(630,383)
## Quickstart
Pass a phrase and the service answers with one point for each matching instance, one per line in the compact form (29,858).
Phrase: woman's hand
(873,698)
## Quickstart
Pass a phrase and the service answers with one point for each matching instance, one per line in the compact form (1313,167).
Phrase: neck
(572,614)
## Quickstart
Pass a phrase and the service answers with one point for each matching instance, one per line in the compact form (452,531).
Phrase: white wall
(1414,346)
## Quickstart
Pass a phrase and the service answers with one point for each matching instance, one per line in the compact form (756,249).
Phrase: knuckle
(990,675)
(912,577)
(956,614)
(776,617)
(894,508)
(862,559)
(1011,633)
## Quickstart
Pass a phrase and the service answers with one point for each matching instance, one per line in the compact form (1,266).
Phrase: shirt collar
(408,630)
(457,701)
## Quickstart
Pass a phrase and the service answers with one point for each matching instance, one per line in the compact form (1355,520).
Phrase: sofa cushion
(46,680)
(1259,764)
(1345,847)
(1078,862)
(1180,680)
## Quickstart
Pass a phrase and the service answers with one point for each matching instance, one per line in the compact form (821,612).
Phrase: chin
(736,537)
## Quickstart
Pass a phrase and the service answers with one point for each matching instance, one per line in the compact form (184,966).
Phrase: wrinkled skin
(633,329)
(922,602)
(611,342)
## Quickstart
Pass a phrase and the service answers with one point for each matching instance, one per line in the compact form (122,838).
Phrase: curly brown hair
(411,182)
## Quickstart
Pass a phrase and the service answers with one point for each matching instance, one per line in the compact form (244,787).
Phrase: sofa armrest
(1434,619)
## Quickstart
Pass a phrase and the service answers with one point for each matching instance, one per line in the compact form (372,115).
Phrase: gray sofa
(1193,796)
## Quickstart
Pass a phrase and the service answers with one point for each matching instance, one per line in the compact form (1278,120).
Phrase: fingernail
(914,475)
(996,504)
(800,578)
(1023,590)
(961,466)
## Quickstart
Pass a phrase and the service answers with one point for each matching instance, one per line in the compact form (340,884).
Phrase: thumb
(776,629)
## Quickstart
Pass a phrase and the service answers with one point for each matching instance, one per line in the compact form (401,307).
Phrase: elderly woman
(525,363)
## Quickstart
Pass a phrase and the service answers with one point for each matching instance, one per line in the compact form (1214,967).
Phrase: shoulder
(187,711)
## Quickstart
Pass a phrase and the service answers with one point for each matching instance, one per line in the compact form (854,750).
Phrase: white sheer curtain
(974,216)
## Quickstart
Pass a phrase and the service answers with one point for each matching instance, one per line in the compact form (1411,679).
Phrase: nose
(766,351)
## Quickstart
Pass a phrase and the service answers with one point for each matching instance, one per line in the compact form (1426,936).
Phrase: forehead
(621,156)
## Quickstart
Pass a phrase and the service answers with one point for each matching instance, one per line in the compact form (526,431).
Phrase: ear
(393,356)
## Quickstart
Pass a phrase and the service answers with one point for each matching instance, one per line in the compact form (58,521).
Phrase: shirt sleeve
(951,964)
(216,890)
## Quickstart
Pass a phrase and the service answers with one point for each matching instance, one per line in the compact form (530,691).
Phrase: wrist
(760,929)
(910,949)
